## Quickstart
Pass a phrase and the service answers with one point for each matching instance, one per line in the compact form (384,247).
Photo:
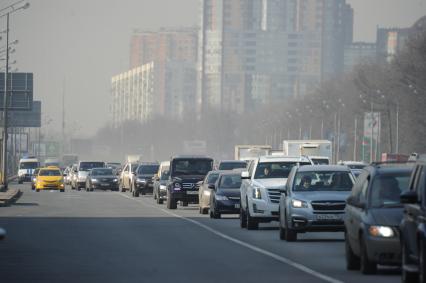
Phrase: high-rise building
(259,51)
(359,53)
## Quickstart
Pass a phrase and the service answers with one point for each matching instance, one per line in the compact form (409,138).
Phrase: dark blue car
(225,198)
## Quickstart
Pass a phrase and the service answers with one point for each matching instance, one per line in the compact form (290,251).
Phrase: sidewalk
(10,195)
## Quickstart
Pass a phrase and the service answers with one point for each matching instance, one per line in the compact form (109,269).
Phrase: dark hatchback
(232,164)
(225,198)
(373,215)
(185,173)
(144,177)
(101,178)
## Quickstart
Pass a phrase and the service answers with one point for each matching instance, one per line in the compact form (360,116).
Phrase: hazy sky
(85,42)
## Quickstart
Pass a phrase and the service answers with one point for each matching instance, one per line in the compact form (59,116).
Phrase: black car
(185,173)
(225,198)
(413,226)
(373,215)
(143,182)
(101,178)
(232,164)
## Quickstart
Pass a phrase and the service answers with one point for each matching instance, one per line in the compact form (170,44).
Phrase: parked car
(185,173)
(206,187)
(231,164)
(261,188)
(225,197)
(143,183)
(81,172)
(314,200)
(102,178)
(373,215)
(50,178)
(160,182)
(127,177)
(34,178)
(413,228)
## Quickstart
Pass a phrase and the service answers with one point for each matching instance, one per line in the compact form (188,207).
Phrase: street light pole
(5,102)
(397,127)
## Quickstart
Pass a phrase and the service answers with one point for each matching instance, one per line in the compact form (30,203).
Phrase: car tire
(159,200)
(243,220)
(204,211)
(136,192)
(367,266)
(200,210)
(184,203)
(252,223)
(78,188)
(37,190)
(352,261)
(121,188)
(290,235)
(406,276)
(154,195)
(62,190)
(422,262)
(143,191)
(171,203)
(20,182)
(282,233)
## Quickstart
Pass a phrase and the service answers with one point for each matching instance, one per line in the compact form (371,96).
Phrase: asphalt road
(112,237)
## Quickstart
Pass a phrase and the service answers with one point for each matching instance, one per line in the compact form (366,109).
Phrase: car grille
(274,195)
(328,205)
(234,198)
(190,186)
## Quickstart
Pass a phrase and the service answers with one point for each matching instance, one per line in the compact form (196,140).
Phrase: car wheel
(159,200)
(200,210)
(171,203)
(367,266)
(204,211)
(406,276)
(422,262)
(143,191)
(136,192)
(352,261)
(37,190)
(154,195)
(121,188)
(243,220)
(252,223)
(78,188)
(184,203)
(62,190)
(290,235)
(20,182)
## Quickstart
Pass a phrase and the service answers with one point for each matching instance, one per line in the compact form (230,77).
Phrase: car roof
(229,172)
(233,161)
(278,158)
(391,167)
(191,157)
(310,168)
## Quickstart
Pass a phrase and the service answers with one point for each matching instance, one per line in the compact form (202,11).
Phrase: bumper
(148,187)
(184,196)
(227,206)
(386,251)
(105,186)
(162,194)
(49,187)
(260,208)
(25,178)
(81,184)
(305,220)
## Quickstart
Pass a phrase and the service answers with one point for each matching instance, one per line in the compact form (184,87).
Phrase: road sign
(20,88)
(25,119)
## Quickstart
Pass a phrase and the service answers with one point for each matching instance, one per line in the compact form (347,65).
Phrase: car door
(245,184)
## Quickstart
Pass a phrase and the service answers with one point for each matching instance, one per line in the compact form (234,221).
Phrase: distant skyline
(86,42)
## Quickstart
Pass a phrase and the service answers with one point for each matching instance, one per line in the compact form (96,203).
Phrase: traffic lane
(323,252)
(155,248)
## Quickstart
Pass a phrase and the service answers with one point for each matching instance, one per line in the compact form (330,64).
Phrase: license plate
(192,192)
(328,217)
(105,185)
(237,205)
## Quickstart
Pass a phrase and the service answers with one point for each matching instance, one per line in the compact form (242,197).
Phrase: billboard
(25,119)
(20,88)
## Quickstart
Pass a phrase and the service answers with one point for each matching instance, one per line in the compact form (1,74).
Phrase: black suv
(413,226)
(373,215)
(185,173)
(143,182)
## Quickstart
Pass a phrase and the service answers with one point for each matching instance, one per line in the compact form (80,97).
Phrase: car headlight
(381,231)
(177,186)
(299,203)
(256,193)
(162,187)
(115,180)
(206,193)
(220,197)
(138,180)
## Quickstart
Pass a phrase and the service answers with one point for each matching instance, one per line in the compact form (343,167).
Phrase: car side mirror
(409,197)
(245,175)
(2,233)
(353,201)
(211,186)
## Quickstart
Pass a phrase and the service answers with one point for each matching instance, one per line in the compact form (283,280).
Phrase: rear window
(211,179)
(230,182)
(86,166)
(148,169)
(49,172)
(323,181)
(387,188)
(232,165)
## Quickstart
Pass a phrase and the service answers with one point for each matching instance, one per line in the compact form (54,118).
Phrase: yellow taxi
(50,178)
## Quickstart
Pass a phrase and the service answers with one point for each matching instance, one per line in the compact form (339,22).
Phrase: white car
(261,188)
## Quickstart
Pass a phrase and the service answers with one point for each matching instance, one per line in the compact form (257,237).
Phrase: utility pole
(5,105)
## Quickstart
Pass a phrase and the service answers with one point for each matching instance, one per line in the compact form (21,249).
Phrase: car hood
(104,177)
(229,192)
(270,183)
(321,196)
(189,179)
(145,176)
(387,216)
(50,178)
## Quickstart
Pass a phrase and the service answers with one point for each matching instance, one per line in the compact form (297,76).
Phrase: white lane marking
(279,258)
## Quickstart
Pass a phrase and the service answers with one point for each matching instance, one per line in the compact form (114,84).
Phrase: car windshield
(86,166)
(387,188)
(165,174)
(320,161)
(28,165)
(230,181)
(134,167)
(212,178)
(148,169)
(192,166)
(267,170)
(49,172)
(232,165)
(36,171)
(102,172)
(323,181)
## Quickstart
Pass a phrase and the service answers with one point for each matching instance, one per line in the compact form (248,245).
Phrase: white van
(27,165)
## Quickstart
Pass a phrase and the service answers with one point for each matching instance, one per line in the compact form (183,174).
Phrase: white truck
(319,151)
(262,186)
(250,152)
(134,158)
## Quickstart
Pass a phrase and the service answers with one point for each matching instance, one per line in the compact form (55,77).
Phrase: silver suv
(314,200)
